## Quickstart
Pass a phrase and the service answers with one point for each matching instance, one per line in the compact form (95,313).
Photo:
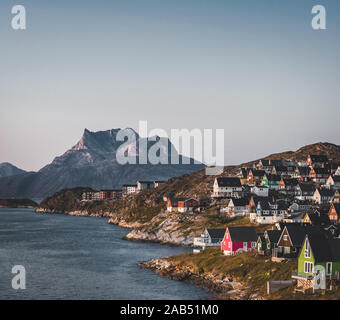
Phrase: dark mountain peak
(7,169)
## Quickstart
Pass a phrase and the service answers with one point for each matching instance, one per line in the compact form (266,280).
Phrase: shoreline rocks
(221,287)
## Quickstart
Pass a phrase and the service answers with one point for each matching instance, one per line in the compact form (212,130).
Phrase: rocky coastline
(222,288)
(18,203)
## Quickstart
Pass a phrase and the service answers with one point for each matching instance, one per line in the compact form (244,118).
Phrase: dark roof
(242,202)
(291,182)
(336,178)
(324,249)
(276,162)
(297,233)
(281,168)
(264,162)
(318,158)
(242,234)
(274,235)
(305,187)
(319,219)
(229,182)
(216,233)
(129,185)
(323,171)
(326,192)
(273,177)
(304,171)
(258,173)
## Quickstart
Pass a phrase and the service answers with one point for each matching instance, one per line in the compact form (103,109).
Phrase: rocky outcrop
(18,203)
(170,228)
(221,287)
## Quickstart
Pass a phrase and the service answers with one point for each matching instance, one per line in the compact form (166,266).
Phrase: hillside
(146,211)
(8,170)
(17,203)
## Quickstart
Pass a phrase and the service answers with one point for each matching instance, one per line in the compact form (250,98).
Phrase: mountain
(7,170)
(92,163)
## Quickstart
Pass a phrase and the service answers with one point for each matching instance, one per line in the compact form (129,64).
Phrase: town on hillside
(297,202)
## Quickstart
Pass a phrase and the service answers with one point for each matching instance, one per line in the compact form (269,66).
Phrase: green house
(261,244)
(318,250)
(268,241)
(271,181)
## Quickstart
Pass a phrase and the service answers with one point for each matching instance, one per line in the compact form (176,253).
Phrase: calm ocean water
(69,257)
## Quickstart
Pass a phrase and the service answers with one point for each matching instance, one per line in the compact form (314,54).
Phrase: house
(264,165)
(337,172)
(182,205)
(268,213)
(260,191)
(336,197)
(316,160)
(239,239)
(302,174)
(291,240)
(237,206)
(333,182)
(274,162)
(334,213)
(209,238)
(288,185)
(90,196)
(271,181)
(114,194)
(268,241)
(145,185)
(299,206)
(319,175)
(255,175)
(304,191)
(316,218)
(317,253)
(129,189)
(280,170)
(323,195)
(157,183)
(227,187)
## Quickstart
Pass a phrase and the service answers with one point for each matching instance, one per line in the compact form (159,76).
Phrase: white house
(145,185)
(237,207)
(227,187)
(333,182)
(260,191)
(337,172)
(209,238)
(322,196)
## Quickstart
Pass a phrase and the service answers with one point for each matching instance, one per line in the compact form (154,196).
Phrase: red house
(334,213)
(238,239)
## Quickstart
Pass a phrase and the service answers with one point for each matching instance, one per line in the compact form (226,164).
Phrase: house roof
(306,187)
(337,208)
(242,202)
(276,162)
(273,177)
(326,192)
(318,158)
(304,171)
(323,171)
(336,179)
(319,219)
(297,233)
(290,182)
(274,235)
(258,173)
(229,182)
(216,233)
(281,168)
(324,249)
(242,234)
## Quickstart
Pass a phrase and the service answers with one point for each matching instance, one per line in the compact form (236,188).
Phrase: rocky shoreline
(222,288)
(166,232)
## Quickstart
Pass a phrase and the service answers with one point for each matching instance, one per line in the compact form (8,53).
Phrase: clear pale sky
(253,67)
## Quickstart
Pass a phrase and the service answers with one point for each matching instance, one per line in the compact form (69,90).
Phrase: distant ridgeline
(17,203)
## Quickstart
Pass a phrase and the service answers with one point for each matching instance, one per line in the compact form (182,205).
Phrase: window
(307,249)
(253,244)
(329,268)
(308,267)
(285,237)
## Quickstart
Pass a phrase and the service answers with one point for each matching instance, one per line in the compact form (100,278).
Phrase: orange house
(334,213)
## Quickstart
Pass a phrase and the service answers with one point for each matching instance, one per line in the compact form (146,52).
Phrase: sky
(254,68)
